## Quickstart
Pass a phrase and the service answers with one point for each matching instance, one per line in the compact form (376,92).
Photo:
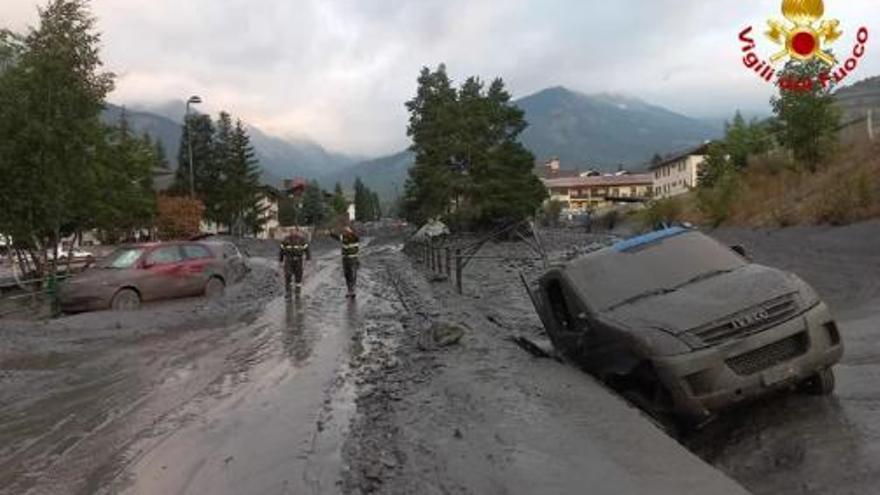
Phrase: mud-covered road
(249,394)
(257,394)
(798,444)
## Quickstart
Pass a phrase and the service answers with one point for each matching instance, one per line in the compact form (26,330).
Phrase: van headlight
(662,343)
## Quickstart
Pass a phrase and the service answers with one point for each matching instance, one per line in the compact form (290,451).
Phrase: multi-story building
(593,192)
(678,174)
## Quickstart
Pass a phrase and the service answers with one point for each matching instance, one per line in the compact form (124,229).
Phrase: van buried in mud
(684,326)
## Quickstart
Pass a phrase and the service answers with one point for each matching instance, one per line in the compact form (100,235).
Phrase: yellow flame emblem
(803,39)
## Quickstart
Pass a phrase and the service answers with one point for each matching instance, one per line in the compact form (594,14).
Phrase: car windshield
(618,278)
(122,258)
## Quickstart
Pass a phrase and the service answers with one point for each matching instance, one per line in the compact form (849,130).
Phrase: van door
(568,318)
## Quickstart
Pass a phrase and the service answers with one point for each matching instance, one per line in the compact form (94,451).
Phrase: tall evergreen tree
(432,127)
(242,184)
(204,170)
(161,156)
(340,204)
(126,200)
(362,206)
(313,208)
(470,165)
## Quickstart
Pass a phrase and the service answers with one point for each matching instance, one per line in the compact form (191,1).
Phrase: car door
(163,273)
(568,317)
(198,266)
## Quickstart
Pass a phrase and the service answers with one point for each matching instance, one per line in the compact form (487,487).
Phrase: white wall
(677,177)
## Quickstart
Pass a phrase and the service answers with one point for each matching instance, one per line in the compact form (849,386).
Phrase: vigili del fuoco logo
(804,36)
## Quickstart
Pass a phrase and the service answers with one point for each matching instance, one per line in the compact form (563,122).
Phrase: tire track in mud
(60,435)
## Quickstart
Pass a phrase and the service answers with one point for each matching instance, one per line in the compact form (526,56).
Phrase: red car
(148,272)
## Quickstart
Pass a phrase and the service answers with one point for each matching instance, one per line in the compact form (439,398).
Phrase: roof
(697,150)
(544,172)
(601,181)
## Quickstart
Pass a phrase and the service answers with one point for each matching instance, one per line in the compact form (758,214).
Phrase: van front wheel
(821,383)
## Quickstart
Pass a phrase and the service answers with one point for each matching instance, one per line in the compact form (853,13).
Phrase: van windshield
(616,278)
(122,258)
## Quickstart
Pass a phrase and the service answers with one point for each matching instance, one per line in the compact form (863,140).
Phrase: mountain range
(599,131)
(279,158)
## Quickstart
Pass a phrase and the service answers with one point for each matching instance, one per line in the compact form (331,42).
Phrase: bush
(663,211)
(179,217)
(551,212)
(717,202)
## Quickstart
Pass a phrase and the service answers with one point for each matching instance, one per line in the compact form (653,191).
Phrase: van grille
(770,355)
(749,322)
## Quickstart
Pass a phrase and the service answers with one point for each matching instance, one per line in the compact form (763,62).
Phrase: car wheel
(125,300)
(821,383)
(214,288)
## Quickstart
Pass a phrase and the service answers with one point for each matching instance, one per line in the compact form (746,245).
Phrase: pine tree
(470,166)
(313,209)
(221,202)
(340,204)
(204,170)
(161,156)
(243,183)
(432,127)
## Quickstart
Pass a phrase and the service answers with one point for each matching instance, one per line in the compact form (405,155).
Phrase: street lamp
(193,100)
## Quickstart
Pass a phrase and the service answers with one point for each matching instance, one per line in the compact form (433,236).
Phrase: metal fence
(448,256)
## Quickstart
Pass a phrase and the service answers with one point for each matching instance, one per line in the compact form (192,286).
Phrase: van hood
(707,301)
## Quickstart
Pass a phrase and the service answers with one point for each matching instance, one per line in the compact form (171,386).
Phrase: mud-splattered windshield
(662,266)
(122,258)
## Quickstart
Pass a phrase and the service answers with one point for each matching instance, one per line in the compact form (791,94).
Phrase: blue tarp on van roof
(655,236)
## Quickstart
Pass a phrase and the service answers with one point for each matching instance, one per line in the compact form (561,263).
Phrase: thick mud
(258,394)
(796,444)
(482,416)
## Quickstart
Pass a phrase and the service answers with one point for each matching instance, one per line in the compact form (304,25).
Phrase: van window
(164,255)
(194,251)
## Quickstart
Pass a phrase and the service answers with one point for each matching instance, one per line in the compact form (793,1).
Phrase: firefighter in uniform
(350,264)
(294,248)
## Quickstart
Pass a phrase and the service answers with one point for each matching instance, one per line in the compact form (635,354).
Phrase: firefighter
(350,264)
(294,248)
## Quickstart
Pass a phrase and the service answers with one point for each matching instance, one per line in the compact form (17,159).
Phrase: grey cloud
(338,71)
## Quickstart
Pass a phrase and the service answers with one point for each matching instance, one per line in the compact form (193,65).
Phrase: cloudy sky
(338,71)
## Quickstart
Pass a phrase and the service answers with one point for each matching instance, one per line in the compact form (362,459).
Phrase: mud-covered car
(236,263)
(685,326)
(148,272)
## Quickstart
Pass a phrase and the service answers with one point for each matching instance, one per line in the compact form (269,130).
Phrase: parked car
(685,327)
(147,272)
(236,263)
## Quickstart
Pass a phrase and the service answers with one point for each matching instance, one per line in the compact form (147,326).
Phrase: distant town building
(294,187)
(677,174)
(269,199)
(593,192)
(551,169)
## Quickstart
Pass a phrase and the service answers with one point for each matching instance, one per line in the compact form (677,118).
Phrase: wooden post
(870,124)
(448,262)
(431,252)
(439,259)
(458,270)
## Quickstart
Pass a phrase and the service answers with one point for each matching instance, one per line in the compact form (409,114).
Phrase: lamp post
(193,100)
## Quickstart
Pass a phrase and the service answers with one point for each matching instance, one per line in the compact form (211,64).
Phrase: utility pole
(193,100)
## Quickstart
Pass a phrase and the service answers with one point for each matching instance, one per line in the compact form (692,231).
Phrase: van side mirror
(740,250)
